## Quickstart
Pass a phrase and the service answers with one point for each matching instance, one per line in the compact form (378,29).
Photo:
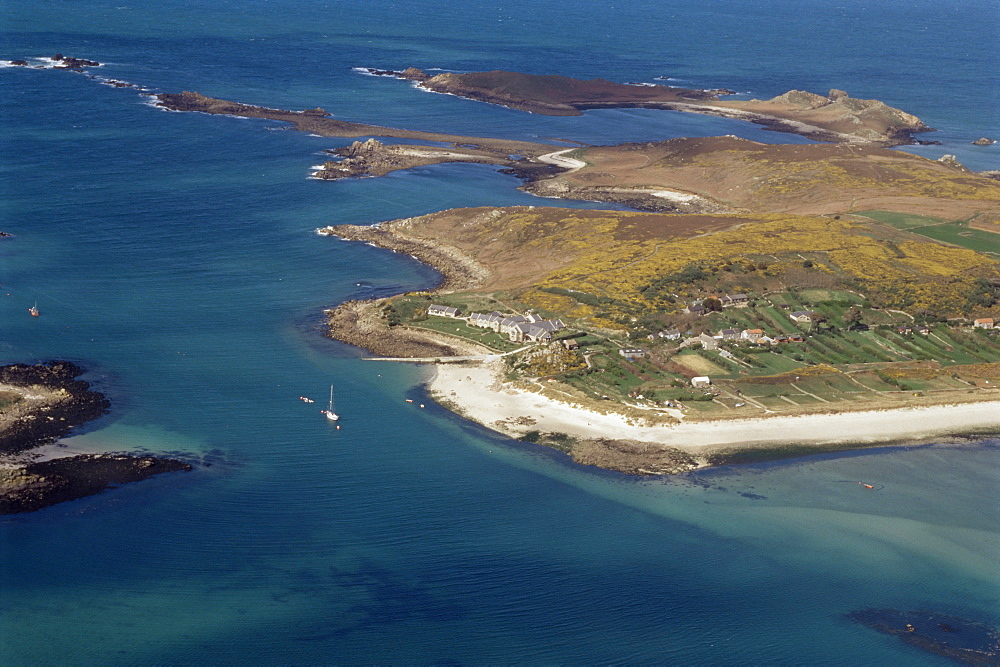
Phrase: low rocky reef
(38,485)
(373,158)
(40,404)
(59,61)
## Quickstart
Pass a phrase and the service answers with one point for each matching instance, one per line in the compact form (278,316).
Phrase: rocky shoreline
(40,404)
(363,323)
(459,270)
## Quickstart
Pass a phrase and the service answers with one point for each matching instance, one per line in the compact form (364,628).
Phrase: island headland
(40,404)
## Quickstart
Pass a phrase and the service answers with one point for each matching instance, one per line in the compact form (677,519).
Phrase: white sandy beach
(475,392)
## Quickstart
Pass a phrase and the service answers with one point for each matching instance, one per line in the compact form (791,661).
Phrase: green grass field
(963,236)
(486,337)
(954,232)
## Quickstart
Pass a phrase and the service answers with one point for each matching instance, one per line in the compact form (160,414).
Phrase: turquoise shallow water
(174,256)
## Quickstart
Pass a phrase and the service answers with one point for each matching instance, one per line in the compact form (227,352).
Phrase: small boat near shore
(330,414)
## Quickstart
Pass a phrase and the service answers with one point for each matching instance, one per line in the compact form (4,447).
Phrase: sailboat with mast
(330,414)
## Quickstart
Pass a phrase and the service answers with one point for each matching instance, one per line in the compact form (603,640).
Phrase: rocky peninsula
(40,404)
(834,117)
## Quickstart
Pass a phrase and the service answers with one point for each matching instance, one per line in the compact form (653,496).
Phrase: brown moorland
(812,179)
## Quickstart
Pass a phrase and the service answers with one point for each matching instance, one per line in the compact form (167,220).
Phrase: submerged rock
(960,639)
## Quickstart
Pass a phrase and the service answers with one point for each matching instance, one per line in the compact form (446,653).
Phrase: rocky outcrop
(68,62)
(52,402)
(410,73)
(414,74)
(364,324)
(373,158)
(984,141)
(629,456)
(803,99)
(870,121)
(40,485)
(952,161)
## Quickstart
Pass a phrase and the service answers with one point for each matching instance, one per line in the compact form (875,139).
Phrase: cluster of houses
(529,327)
(727,301)
(758,336)
(917,328)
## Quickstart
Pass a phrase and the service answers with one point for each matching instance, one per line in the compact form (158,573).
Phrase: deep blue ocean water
(174,256)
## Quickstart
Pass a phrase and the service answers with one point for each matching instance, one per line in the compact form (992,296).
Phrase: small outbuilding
(442,311)
(701,381)
(803,316)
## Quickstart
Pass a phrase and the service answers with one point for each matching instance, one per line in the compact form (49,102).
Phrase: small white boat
(330,414)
